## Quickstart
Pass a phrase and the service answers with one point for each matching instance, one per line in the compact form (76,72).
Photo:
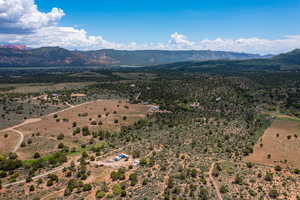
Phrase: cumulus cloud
(22,23)
(23,16)
(67,37)
(180,41)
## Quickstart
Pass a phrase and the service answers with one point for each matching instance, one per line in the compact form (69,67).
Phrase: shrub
(76,131)
(145,181)
(87,187)
(194,173)
(143,162)
(28,179)
(23,144)
(117,190)
(215,172)
(100,194)
(269,177)
(31,188)
(273,194)
(60,145)
(133,179)
(49,183)
(203,194)
(12,156)
(223,189)
(36,155)
(249,164)
(74,124)
(123,193)
(29,141)
(278,168)
(238,180)
(85,131)
(296,171)
(60,136)
(136,154)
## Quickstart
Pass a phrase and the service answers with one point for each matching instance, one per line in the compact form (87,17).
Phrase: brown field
(49,127)
(281,142)
(7,144)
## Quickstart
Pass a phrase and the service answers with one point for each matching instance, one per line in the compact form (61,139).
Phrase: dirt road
(34,178)
(215,184)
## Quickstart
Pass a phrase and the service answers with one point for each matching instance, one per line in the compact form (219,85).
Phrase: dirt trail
(34,178)
(213,180)
(138,96)
(20,141)
(70,105)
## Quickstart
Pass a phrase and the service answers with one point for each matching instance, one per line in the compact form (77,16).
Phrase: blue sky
(255,26)
(155,20)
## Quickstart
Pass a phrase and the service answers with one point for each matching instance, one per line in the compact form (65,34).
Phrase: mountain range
(55,56)
(283,62)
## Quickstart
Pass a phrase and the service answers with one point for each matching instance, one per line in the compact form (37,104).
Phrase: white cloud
(179,41)
(252,45)
(67,37)
(24,16)
(22,23)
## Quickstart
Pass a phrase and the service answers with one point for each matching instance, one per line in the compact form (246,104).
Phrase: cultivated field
(279,145)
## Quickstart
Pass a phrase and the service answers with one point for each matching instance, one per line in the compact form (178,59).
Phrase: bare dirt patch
(8,143)
(280,145)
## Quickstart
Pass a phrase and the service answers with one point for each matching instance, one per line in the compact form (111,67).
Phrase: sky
(253,26)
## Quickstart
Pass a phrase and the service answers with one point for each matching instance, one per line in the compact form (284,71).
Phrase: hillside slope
(290,60)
